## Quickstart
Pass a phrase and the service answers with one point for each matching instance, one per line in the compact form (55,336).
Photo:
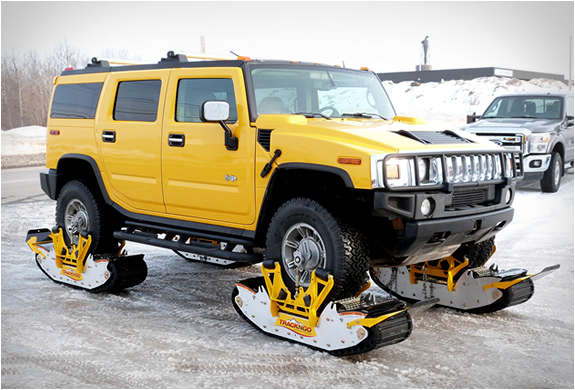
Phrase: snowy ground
(178,329)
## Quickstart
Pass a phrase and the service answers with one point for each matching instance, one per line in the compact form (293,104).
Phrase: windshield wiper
(362,115)
(312,114)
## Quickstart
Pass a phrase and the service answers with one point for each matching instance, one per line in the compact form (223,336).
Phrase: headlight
(539,142)
(402,171)
(399,171)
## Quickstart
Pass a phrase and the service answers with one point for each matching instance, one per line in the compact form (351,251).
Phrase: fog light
(508,196)
(426,206)
(536,164)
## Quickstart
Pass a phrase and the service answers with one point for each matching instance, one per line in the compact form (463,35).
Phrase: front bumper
(466,214)
(436,239)
(536,162)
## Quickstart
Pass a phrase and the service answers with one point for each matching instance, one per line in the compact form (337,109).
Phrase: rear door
(128,134)
(202,180)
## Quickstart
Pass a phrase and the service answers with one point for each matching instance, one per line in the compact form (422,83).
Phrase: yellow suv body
(309,162)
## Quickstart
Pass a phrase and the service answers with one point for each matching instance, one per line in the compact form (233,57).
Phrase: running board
(185,243)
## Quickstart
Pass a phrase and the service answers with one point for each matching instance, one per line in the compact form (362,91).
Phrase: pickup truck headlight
(539,142)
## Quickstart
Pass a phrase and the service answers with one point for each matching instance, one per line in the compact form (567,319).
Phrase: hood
(371,136)
(535,125)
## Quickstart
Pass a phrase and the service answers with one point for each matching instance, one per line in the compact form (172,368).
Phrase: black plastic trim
(49,183)
(320,168)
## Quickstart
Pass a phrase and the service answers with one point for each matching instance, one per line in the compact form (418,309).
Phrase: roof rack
(174,57)
(96,63)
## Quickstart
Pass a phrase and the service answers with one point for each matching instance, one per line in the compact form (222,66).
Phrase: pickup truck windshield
(316,91)
(545,107)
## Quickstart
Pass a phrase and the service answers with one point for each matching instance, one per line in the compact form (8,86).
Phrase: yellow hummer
(235,161)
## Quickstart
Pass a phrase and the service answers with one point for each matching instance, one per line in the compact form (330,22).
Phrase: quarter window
(77,101)
(193,92)
(137,101)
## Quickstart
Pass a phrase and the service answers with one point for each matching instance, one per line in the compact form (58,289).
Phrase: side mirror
(570,120)
(214,111)
(218,111)
(473,118)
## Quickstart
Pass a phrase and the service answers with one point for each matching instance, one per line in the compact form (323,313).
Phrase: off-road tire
(101,220)
(552,177)
(347,251)
(478,253)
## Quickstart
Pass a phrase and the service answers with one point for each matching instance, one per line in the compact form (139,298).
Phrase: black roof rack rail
(174,57)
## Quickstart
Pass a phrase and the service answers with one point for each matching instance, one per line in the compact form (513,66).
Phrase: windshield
(545,107)
(319,92)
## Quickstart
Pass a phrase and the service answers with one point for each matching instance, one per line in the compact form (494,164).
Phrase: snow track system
(344,327)
(475,290)
(77,268)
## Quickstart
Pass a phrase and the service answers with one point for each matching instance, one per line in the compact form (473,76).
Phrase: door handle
(109,136)
(176,140)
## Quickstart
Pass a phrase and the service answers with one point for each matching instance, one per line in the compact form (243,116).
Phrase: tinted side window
(193,92)
(137,100)
(76,100)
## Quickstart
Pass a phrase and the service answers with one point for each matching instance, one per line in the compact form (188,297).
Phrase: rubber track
(125,272)
(391,331)
(514,295)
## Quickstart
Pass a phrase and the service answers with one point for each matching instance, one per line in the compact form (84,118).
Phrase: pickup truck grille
(510,141)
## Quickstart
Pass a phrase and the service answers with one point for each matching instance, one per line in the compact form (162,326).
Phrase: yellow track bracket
(444,271)
(307,302)
(71,261)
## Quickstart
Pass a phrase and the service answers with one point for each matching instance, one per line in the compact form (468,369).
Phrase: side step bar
(183,241)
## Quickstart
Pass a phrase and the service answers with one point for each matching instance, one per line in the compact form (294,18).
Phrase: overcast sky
(384,36)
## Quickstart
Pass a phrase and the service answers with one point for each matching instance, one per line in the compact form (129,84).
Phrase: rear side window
(76,101)
(193,92)
(137,101)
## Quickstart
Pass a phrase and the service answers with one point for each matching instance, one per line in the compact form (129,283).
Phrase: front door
(202,180)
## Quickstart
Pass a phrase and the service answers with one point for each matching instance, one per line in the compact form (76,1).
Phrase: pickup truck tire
(302,228)
(80,207)
(552,176)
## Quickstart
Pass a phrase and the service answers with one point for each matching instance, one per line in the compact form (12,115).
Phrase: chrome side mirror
(218,111)
(214,111)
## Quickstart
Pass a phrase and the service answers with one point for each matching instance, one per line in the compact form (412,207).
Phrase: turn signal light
(349,161)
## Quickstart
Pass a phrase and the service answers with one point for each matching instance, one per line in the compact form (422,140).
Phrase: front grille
(510,141)
(461,199)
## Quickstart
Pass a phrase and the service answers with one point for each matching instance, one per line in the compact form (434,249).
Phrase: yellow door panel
(129,137)
(202,180)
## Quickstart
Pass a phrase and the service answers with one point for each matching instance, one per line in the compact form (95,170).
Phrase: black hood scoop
(434,137)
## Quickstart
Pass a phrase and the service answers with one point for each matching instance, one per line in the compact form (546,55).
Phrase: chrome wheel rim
(556,172)
(302,245)
(75,220)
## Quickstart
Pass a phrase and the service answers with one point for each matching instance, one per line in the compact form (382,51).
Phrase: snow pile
(24,140)
(444,104)
(447,103)
(23,146)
